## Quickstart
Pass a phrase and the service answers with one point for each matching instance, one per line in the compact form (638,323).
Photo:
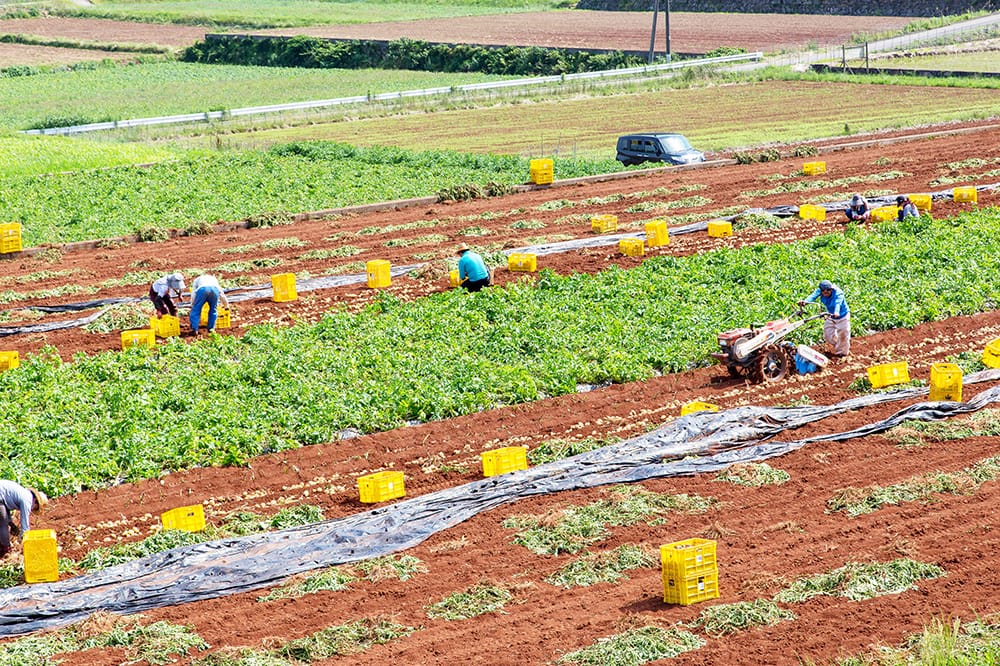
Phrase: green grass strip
(859,501)
(635,647)
(858,581)
(88,424)
(725,619)
(754,475)
(579,526)
(601,567)
(344,639)
(156,643)
(477,600)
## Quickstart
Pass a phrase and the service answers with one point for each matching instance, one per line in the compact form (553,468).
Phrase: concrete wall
(845,7)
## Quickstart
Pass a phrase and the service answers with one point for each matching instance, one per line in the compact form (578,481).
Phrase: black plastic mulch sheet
(692,444)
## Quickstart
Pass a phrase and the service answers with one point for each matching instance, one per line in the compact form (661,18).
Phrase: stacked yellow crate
(690,571)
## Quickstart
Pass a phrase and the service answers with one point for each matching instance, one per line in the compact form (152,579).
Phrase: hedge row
(915,8)
(315,52)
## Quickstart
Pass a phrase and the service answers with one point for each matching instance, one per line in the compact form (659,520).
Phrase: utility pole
(652,34)
(666,16)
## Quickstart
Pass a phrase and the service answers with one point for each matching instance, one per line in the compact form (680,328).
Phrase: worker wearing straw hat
(15,497)
(472,271)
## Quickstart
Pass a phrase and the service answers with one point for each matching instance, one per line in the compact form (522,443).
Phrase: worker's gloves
(802,304)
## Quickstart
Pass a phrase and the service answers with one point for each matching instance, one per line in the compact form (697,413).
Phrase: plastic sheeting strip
(219,568)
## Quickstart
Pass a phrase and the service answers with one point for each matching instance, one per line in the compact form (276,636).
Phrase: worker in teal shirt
(472,271)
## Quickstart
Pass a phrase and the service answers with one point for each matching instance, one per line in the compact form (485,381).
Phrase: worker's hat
(900,199)
(175,280)
(825,284)
(463,247)
(40,498)
(856,200)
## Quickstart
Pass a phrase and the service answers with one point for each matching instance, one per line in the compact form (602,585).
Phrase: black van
(671,148)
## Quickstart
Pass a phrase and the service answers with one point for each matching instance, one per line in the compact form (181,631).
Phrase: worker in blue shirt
(472,271)
(837,327)
(15,497)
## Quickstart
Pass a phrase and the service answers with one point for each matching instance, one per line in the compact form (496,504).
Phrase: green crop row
(124,416)
(105,203)
(409,54)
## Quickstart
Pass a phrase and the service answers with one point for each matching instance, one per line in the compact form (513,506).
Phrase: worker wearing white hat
(163,291)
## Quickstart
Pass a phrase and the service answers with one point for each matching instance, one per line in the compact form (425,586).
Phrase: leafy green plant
(858,581)
(635,647)
(477,600)
(725,619)
(329,253)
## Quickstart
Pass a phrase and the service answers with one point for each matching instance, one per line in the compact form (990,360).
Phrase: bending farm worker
(837,326)
(206,289)
(858,211)
(14,497)
(472,271)
(163,291)
(906,208)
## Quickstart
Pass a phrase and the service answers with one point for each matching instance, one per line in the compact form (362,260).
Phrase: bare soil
(625,31)
(766,537)
(27,54)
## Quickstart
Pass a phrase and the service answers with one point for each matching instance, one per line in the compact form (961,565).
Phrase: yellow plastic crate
(632,247)
(923,202)
(811,212)
(524,262)
(946,382)
(965,195)
(889,374)
(507,459)
(720,228)
(687,558)
(10,237)
(166,326)
(991,354)
(139,337)
(687,591)
(381,486)
(541,171)
(283,286)
(885,213)
(696,406)
(453,277)
(657,233)
(222,318)
(602,224)
(41,556)
(188,518)
(814,168)
(379,275)
(9,360)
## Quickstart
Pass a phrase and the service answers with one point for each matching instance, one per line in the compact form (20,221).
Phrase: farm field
(767,537)
(625,31)
(848,546)
(982,61)
(744,114)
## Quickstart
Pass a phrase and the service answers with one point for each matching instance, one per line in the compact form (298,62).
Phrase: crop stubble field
(766,536)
